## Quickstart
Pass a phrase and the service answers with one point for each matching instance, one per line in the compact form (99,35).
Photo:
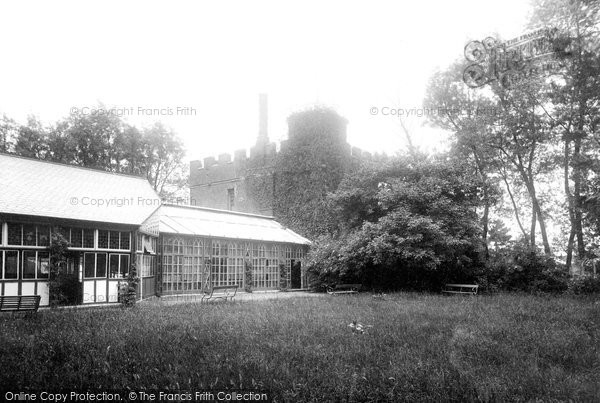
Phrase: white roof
(47,189)
(201,221)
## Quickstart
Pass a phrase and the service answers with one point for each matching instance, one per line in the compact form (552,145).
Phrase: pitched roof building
(115,222)
(46,189)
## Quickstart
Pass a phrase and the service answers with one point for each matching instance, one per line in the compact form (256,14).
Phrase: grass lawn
(421,347)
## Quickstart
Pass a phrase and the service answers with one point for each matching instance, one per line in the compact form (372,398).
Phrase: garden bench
(221,291)
(461,289)
(344,289)
(19,303)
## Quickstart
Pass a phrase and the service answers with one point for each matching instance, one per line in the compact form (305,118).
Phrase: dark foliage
(64,287)
(584,285)
(409,224)
(311,165)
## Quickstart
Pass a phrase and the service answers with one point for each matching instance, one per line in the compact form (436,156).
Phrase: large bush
(584,285)
(408,223)
(518,268)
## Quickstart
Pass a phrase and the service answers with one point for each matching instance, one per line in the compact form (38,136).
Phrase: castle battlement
(245,181)
(240,156)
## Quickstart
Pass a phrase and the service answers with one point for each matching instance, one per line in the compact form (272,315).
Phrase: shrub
(553,280)
(64,287)
(128,288)
(585,284)
(248,268)
(521,269)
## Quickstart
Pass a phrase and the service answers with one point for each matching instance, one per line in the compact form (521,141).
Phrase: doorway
(296,274)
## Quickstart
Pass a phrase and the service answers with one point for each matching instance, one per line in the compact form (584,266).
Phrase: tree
(469,115)
(162,161)
(417,228)
(91,138)
(523,137)
(574,101)
(31,140)
(8,132)
(102,141)
(500,237)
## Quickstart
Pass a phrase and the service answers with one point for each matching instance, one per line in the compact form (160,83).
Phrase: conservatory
(111,223)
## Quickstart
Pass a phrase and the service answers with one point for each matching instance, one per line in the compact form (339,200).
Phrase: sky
(198,66)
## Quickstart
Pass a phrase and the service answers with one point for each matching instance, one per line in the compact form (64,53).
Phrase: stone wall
(250,178)
(253,177)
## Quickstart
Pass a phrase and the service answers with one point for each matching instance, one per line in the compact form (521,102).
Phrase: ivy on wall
(312,165)
(248,268)
(63,287)
(284,276)
(128,288)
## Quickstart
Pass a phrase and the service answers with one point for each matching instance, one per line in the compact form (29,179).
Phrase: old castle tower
(250,183)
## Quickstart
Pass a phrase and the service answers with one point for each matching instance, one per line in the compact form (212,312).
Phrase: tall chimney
(263,107)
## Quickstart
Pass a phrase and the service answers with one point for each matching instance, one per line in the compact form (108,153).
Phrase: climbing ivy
(248,268)
(128,288)
(63,287)
(311,165)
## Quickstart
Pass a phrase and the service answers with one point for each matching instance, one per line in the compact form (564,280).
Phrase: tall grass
(421,347)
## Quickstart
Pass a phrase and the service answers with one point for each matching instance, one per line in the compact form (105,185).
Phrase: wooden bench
(221,291)
(19,303)
(461,289)
(344,289)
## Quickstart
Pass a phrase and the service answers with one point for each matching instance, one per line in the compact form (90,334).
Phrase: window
(139,242)
(29,238)
(124,242)
(146,265)
(114,239)
(101,265)
(259,263)
(272,269)
(230,199)
(219,263)
(118,265)
(183,264)
(14,234)
(29,259)
(43,235)
(28,234)
(43,266)
(94,265)
(90,265)
(88,238)
(79,237)
(172,265)
(102,239)
(76,237)
(118,240)
(35,264)
(9,263)
(148,245)
(235,264)
(64,232)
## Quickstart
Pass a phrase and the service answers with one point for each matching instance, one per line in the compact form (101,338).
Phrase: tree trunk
(570,249)
(486,198)
(532,230)
(516,209)
(485,219)
(569,197)
(577,179)
(536,207)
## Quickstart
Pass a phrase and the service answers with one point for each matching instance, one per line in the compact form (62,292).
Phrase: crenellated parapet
(227,167)
(246,181)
